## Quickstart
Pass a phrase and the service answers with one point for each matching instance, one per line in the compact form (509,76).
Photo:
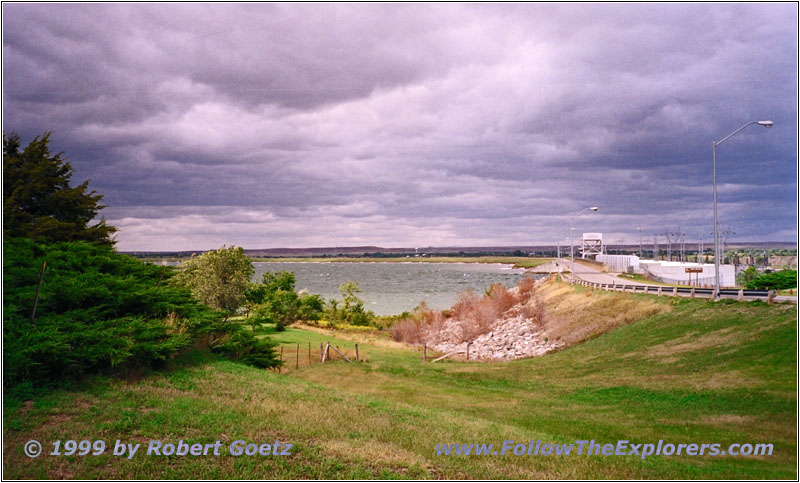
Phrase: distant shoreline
(515,262)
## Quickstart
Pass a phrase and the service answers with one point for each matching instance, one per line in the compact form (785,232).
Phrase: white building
(675,272)
(619,263)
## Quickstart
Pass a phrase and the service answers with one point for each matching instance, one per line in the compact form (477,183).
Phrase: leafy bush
(351,311)
(274,300)
(100,311)
(218,278)
(746,277)
(773,281)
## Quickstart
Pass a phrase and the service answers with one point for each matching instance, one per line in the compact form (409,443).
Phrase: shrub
(501,298)
(421,324)
(218,278)
(100,311)
(526,286)
(472,315)
(774,281)
(408,331)
(479,321)
(534,310)
(274,300)
(478,314)
(464,303)
(351,309)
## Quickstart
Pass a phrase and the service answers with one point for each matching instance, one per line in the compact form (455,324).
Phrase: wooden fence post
(337,351)
(468,344)
(297,358)
(771,297)
(424,352)
(320,353)
(38,288)
(357,360)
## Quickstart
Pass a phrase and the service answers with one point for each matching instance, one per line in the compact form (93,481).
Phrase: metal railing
(697,282)
(676,291)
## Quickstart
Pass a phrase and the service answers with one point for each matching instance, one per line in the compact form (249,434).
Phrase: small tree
(351,311)
(38,201)
(218,278)
(311,307)
(746,277)
(274,300)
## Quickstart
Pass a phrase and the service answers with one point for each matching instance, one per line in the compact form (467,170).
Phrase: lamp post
(716,225)
(572,244)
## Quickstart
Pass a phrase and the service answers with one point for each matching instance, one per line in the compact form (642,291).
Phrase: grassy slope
(701,372)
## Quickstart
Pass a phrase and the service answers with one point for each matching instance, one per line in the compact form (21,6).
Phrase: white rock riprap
(512,337)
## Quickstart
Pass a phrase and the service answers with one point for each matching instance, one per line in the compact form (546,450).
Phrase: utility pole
(725,234)
(641,251)
(700,248)
(655,247)
(667,235)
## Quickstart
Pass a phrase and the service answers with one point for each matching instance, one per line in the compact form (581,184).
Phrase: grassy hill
(700,372)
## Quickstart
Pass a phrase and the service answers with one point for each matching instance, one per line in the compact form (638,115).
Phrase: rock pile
(512,337)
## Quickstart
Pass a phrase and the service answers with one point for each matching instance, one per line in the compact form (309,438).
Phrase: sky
(404,125)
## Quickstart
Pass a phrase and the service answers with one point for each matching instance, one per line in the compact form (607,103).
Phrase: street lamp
(572,244)
(716,227)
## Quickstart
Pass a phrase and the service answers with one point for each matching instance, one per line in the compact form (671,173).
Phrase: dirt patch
(26,406)
(727,419)
(55,421)
(693,342)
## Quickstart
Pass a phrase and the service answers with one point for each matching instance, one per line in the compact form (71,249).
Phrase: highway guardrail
(677,291)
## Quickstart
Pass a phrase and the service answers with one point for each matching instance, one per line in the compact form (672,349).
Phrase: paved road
(592,274)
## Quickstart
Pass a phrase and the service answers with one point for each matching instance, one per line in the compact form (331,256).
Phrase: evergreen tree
(38,201)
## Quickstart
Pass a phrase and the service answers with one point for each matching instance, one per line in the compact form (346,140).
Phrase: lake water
(391,288)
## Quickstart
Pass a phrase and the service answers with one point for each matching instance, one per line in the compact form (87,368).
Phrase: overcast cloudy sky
(299,125)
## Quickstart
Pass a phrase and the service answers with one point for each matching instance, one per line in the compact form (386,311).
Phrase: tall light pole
(716,226)
(572,244)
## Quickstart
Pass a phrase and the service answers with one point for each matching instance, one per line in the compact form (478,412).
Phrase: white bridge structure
(592,244)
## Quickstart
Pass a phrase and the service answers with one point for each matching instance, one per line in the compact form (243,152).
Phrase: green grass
(703,372)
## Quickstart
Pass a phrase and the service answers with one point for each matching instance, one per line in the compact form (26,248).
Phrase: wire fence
(692,282)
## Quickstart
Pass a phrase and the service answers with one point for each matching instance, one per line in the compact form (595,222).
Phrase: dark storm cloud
(436,124)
